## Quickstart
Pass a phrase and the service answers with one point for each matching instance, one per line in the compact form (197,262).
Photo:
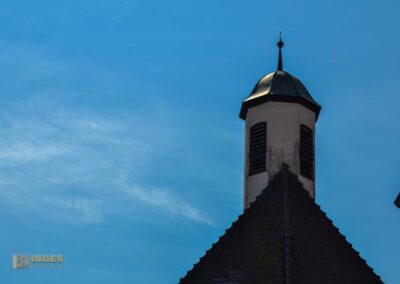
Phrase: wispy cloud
(89,210)
(22,152)
(164,199)
(72,163)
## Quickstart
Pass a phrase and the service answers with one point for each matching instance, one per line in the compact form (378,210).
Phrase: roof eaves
(279,98)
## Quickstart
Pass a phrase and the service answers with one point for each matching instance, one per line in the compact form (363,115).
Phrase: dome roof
(279,86)
(280,83)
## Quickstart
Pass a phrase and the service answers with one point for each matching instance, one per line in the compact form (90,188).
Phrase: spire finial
(280,45)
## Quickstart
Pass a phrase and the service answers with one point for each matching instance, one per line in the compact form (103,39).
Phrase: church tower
(280,117)
(282,236)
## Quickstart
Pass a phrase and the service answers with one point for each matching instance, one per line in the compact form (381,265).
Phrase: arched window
(258,148)
(306,152)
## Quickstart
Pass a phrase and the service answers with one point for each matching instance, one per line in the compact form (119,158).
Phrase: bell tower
(280,117)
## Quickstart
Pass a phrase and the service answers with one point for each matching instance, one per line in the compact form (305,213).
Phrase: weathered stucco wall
(283,141)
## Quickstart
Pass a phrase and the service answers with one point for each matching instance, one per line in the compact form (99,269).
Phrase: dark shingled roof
(397,201)
(284,237)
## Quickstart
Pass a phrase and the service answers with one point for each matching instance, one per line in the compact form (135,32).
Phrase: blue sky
(120,142)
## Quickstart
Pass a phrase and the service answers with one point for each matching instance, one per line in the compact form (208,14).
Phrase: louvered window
(258,148)
(306,152)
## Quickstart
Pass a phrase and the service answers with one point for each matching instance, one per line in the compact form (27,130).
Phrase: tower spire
(280,45)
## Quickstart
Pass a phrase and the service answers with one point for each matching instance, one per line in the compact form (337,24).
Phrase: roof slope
(284,237)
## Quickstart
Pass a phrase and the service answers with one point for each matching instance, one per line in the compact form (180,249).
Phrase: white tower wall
(283,143)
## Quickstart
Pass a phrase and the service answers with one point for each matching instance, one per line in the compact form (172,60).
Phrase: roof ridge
(287,241)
